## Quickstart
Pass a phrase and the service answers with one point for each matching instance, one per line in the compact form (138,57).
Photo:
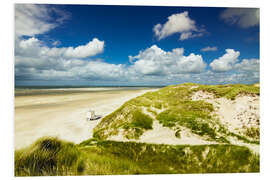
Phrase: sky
(135,45)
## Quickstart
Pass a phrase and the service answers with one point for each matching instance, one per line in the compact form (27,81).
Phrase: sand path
(64,116)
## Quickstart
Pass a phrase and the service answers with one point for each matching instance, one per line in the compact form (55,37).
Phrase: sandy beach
(62,113)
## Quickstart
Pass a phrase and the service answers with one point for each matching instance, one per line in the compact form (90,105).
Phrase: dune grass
(53,157)
(166,159)
(230,91)
(173,108)
(129,118)
(140,120)
(47,157)
(139,123)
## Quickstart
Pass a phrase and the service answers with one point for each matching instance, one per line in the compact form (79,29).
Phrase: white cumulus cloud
(32,47)
(248,65)
(243,17)
(225,62)
(151,66)
(177,23)
(92,48)
(229,61)
(155,61)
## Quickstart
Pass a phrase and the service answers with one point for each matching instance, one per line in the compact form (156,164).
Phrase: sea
(55,90)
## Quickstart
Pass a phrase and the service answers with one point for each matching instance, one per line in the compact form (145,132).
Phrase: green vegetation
(159,159)
(129,117)
(194,115)
(47,157)
(141,120)
(253,133)
(139,123)
(229,91)
(50,156)
(173,107)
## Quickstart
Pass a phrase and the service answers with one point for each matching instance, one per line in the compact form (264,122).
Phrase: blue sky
(135,45)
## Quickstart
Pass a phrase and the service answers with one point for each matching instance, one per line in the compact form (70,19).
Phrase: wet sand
(63,114)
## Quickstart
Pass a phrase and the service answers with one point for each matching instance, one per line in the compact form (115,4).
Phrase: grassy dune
(51,157)
(172,107)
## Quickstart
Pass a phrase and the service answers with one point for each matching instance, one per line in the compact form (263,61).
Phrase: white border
(7,82)
(208,3)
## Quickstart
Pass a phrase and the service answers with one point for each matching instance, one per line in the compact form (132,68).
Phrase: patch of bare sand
(236,115)
(243,112)
(64,116)
(163,135)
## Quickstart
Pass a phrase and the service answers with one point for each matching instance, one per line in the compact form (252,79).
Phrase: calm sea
(55,90)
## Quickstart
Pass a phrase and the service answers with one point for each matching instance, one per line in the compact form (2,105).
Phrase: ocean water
(55,90)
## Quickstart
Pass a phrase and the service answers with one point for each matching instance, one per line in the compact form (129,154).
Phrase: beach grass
(230,91)
(54,157)
(49,156)
(173,107)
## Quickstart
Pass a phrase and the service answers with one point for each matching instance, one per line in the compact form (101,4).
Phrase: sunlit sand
(64,115)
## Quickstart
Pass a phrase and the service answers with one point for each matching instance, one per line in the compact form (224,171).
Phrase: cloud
(248,65)
(34,61)
(62,69)
(32,19)
(242,17)
(229,61)
(225,62)
(177,23)
(151,66)
(157,62)
(32,47)
(211,77)
(208,48)
(188,35)
(92,48)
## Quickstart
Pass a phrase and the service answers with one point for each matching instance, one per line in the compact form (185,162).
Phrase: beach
(62,112)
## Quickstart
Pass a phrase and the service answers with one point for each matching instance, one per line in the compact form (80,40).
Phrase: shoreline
(64,116)
(71,90)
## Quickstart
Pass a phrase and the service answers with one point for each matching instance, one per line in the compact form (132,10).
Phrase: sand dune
(236,115)
(64,115)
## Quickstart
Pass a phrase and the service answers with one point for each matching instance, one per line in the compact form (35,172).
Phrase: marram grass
(49,156)
(173,107)
(53,157)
